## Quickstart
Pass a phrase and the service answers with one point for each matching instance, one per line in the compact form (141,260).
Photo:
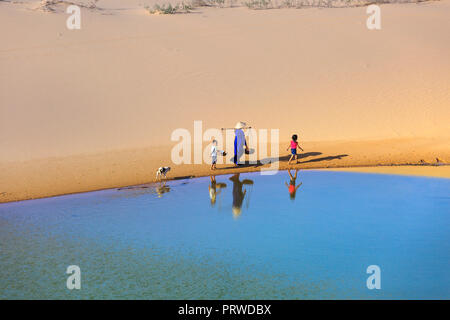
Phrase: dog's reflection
(161,188)
(239,194)
(215,189)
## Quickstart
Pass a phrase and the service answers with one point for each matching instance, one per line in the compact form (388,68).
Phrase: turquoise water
(247,238)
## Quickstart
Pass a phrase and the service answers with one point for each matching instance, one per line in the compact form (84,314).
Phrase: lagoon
(243,237)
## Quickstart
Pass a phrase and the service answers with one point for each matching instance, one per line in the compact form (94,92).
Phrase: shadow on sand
(338,157)
(286,158)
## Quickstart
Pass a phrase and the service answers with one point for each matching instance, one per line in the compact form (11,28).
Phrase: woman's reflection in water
(161,188)
(239,193)
(291,187)
(213,192)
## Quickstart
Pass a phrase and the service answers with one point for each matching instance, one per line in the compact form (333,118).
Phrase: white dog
(161,172)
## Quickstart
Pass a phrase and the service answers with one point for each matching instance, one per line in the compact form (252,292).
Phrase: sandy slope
(95,108)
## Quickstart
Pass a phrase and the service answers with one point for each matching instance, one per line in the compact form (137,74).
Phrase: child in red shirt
(294,145)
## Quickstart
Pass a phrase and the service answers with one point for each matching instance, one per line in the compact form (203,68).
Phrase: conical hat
(240,125)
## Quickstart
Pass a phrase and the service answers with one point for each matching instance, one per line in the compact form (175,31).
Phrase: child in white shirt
(214,152)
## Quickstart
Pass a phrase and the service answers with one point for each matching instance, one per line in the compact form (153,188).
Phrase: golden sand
(94,108)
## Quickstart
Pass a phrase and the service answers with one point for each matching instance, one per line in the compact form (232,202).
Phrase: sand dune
(73,103)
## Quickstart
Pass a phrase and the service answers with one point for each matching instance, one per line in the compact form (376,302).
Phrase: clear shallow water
(172,242)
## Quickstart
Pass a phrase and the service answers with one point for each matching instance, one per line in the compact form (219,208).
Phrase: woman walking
(239,142)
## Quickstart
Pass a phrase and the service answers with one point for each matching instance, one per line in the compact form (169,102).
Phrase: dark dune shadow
(325,158)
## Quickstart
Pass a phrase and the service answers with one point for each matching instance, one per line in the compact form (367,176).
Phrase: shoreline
(411,170)
(55,176)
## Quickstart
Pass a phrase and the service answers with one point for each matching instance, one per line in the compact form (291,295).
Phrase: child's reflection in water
(238,194)
(292,188)
(161,188)
(213,192)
